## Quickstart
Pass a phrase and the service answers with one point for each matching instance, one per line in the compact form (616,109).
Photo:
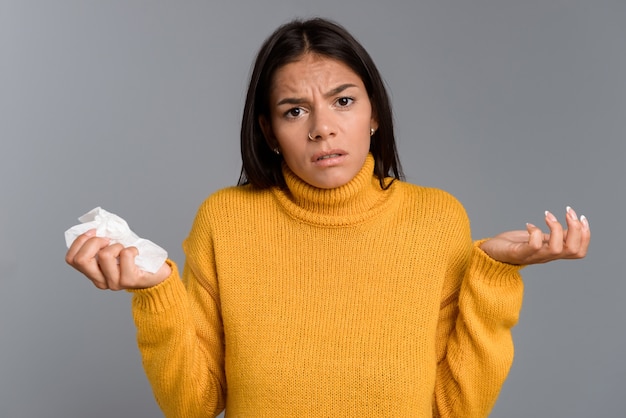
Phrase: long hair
(261,166)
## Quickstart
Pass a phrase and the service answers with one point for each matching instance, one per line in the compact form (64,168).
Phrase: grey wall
(513,106)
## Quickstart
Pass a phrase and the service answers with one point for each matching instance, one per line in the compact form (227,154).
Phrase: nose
(323,125)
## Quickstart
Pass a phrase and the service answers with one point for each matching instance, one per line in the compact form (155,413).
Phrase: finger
(535,237)
(573,238)
(85,260)
(108,260)
(585,236)
(77,244)
(129,272)
(555,241)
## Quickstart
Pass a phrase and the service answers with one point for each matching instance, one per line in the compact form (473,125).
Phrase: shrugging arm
(474,343)
(180,334)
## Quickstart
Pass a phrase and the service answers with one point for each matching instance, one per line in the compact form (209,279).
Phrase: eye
(293,113)
(344,101)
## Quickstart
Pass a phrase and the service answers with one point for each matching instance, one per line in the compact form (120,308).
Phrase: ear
(374,123)
(266,127)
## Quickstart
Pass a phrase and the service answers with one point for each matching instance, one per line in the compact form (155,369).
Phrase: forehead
(313,71)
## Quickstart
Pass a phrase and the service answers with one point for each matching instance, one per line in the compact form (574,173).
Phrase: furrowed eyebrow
(339,89)
(291,100)
(299,100)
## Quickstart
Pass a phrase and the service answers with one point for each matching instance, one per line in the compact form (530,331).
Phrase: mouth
(328,155)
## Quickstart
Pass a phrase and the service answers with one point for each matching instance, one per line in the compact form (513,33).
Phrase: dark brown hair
(261,166)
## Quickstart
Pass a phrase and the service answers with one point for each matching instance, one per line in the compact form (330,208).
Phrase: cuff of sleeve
(159,298)
(496,273)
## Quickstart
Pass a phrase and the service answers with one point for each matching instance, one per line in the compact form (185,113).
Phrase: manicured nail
(90,233)
(571,213)
(550,217)
(584,221)
(529,225)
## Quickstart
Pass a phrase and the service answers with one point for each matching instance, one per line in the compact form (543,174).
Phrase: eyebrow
(299,100)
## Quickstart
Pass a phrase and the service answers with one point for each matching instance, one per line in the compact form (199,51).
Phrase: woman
(323,284)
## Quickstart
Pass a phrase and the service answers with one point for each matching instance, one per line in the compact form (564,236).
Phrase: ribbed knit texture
(350,302)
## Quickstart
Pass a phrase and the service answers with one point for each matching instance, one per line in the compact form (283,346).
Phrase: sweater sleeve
(474,342)
(180,334)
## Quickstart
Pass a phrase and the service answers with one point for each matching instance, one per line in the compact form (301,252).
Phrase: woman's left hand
(533,246)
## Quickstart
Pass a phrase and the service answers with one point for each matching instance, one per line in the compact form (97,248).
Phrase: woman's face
(322,97)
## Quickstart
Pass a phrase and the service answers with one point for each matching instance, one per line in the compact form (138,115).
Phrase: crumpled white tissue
(109,225)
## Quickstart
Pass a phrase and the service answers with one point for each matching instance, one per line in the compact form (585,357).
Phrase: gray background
(513,106)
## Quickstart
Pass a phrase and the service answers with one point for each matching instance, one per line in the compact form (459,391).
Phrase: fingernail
(571,213)
(90,233)
(584,221)
(550,216)
(529,225)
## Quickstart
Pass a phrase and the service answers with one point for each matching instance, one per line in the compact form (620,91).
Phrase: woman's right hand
(111,266)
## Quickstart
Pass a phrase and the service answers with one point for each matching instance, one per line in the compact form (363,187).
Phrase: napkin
(109,225)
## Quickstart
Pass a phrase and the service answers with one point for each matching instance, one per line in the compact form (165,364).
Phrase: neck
(342,205)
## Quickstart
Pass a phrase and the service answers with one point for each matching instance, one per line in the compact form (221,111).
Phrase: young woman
(324,285)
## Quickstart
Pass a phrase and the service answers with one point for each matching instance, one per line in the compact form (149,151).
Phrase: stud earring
(372,130)
(276,151)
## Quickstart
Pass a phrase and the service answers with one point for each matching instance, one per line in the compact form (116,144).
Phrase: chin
(331,184)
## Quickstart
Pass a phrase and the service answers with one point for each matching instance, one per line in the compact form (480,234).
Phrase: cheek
(283,129)
(289,136)
(289,148)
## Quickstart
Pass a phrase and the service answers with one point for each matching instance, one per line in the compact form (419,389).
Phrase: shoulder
(438,212)
(235,196)
(226,208)
(232,203)
(434,201)
(444,216)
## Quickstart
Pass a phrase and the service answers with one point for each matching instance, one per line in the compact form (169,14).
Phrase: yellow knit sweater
(351,302)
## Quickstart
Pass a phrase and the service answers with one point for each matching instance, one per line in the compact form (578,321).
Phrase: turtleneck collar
(356,201)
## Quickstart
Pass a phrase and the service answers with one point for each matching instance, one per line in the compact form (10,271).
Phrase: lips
(327,155)
(324,157)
